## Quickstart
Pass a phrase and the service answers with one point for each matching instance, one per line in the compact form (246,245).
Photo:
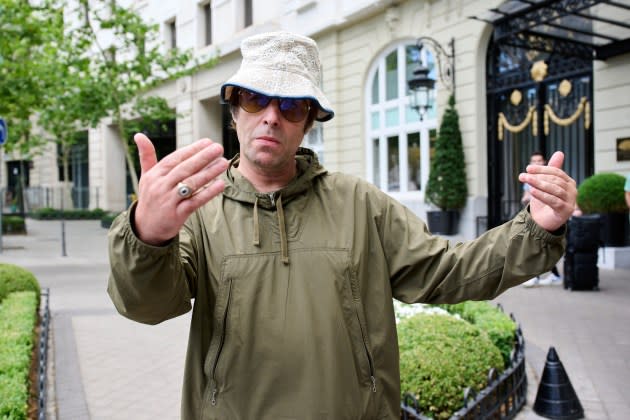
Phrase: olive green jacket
(293,315)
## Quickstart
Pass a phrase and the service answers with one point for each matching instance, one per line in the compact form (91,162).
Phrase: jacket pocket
(360,317)
(218,340)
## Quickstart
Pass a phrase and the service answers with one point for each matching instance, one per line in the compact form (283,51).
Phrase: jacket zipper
(366,349)
(272,197)
(213,401)
(369,357)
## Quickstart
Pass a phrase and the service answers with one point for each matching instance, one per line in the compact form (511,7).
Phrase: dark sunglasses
(294,110)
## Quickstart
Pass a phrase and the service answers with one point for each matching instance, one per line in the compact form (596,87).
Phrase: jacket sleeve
(426,268)
(148,284)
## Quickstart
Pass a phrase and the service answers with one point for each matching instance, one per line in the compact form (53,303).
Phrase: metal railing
(502,398)
(43,354)
(59,197)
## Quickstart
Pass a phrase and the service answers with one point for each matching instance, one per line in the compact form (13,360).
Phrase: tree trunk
(130,164)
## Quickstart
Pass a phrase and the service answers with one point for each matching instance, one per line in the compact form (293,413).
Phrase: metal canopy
(596,29)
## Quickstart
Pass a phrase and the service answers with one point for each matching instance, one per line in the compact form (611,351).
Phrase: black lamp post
(421,85)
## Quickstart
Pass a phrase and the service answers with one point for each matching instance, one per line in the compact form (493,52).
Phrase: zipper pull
(373,383)
(214,399)
(272,197)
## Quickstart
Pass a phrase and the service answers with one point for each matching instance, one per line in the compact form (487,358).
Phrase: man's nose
(272,113)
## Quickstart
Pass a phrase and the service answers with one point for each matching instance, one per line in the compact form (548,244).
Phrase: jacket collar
(238,188)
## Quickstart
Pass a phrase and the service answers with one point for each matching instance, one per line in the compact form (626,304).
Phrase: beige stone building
(526,78)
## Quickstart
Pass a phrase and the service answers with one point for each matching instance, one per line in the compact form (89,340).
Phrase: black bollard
(556,398)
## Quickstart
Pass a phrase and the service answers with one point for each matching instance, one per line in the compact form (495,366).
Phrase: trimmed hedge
(17,279)
(18,315)
(13,224)
(108,218)
(500,328)
(48,213)
(602,193)
(441,355)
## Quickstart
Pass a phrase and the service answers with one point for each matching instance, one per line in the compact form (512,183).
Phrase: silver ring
(183,190)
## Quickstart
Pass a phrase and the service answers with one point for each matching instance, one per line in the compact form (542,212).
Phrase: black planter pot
(614,229)
(444,222)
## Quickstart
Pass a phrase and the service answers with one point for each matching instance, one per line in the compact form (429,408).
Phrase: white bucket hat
(281,64)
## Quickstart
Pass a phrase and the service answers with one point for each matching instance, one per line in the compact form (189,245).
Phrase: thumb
(557,159)
(146,150)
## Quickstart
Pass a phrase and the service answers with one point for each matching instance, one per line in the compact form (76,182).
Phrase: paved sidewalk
(103,366)
(106,367)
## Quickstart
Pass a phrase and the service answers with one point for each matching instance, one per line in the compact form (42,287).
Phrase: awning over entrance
(596,29)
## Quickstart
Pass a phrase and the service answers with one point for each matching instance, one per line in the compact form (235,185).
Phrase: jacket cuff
(539,232)
(130,227)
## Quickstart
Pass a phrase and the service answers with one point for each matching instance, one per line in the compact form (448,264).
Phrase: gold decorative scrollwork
(532,116)
(584,106)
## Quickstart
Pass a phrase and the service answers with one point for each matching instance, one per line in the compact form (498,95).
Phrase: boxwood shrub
(18,315)
(108,218)
(48,213)
(500,328)
(13,224)
(17,279)
(19,301)
(440,356)
(602,193)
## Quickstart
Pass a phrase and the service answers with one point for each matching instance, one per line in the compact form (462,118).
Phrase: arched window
(398,142)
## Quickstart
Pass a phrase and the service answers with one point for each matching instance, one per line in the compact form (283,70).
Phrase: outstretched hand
(553,193)
(161,211)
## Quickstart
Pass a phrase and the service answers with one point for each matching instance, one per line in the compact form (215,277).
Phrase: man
(538,158)
(292,268)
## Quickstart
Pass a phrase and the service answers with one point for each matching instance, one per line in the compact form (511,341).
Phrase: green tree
(67,106)
(25,40)
(446,187)
(126,61)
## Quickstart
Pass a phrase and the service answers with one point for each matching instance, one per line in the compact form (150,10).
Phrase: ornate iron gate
(537,101)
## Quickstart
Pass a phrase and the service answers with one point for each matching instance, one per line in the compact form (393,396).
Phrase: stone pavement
(102,366)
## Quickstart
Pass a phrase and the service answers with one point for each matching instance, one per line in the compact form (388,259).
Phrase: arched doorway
(537,101)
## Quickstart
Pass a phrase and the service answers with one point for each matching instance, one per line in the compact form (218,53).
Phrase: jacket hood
(238,188)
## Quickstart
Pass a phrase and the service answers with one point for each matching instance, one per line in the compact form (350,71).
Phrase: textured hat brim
(279,83)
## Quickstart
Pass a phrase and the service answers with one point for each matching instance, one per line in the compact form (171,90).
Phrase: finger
(180,155)
(146,152)
(207,175)
(557,159)
(204,194)
(204,158)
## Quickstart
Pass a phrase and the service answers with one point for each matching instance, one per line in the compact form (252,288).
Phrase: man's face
(268,141)
(537,160)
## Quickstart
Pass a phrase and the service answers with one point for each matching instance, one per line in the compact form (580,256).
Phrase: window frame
(403,129)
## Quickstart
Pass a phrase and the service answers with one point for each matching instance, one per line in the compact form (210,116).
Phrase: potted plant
(446,187)
(604,194)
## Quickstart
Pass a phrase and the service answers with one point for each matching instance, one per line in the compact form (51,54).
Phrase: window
(207,23)
(78,169)
(398,142)
(171,34)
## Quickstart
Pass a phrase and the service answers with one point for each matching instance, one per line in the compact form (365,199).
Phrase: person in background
(292,268)
(554,277)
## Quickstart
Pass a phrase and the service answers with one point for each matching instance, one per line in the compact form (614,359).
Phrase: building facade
(529,89)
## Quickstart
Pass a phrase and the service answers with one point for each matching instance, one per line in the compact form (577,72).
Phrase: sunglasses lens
(294,110)
(252,101)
